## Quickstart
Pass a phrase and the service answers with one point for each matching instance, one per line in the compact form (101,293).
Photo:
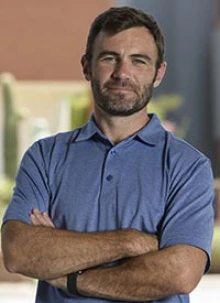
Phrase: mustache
(119,83)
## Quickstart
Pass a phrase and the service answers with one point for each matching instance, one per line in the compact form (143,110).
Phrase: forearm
(47,253)
(148,277)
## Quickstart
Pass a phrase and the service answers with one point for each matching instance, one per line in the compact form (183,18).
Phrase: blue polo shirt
(152,181)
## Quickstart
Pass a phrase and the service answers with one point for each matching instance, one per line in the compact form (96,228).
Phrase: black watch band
(72,282)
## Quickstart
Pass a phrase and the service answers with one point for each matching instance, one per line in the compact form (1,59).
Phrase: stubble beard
(120,103)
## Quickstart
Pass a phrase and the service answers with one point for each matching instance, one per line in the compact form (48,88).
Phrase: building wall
(44,39)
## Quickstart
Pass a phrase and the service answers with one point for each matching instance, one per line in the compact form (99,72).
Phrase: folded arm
(155,275)
(43,252)
(152,276)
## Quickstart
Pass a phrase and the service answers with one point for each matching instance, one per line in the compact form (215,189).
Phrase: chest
(109,189)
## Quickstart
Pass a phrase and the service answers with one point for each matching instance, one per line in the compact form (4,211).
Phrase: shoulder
(155,134)
(185,164)
(50,148)
(179,149)
(57,140)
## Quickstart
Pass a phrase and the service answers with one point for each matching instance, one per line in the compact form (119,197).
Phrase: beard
(119,103)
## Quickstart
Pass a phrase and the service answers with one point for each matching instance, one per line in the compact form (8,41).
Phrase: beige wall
(41,102)
(44,39)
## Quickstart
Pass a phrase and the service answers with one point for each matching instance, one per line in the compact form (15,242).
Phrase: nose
(122,70)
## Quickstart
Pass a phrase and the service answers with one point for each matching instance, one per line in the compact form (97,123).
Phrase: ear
(85,66)
(160,74)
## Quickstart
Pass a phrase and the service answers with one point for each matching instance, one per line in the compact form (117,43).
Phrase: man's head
(117,19)
(124,60)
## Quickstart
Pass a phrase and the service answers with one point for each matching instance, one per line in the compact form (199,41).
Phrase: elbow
(187,281)
(9,266)
(10,251)
(9,259)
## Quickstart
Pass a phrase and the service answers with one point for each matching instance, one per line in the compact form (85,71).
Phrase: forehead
(130,41)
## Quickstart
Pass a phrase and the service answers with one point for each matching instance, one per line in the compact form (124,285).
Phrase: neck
(116,128)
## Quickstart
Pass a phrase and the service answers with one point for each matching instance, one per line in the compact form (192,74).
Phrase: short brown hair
(117,19)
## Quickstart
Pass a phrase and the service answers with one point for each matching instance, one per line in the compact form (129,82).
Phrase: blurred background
(42,89)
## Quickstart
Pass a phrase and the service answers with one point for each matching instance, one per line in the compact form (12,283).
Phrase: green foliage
(6,188)
(164,105)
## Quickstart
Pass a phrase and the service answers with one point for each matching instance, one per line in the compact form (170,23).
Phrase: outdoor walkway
(208,291)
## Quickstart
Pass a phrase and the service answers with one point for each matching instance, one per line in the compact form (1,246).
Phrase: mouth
(119,89)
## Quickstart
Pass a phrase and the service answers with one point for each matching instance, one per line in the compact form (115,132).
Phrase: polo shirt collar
(153,132)
(150,134)
(89,130)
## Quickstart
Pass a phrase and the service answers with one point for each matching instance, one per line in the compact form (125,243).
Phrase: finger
(34,220)
(42,218)
(48,220)
(39,218)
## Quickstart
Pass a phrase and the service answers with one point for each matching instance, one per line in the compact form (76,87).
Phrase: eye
(139,61)
(108,59)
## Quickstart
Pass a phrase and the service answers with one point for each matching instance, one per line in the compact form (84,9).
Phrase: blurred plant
(80,108)
(6,188)
(166,107)
(10,135)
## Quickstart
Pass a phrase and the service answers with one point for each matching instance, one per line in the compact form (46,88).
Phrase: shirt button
(109,178)
(113,152)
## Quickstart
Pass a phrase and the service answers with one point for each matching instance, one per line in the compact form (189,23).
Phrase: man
(120,209)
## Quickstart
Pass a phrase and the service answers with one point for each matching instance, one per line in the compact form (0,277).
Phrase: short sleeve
(31,188)
(189,216)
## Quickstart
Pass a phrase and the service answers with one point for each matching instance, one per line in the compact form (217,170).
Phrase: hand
(139,243)
(41,219)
